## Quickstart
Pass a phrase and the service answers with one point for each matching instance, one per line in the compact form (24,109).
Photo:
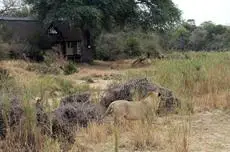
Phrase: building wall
(22,30)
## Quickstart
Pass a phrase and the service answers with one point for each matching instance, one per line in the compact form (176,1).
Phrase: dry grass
(179,136)
(96,133)
(211,101)
(145,137)
(202,81)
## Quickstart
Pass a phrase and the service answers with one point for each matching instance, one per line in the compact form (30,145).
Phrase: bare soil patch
(209,132)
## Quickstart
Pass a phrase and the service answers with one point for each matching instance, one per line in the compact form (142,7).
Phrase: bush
(70,68)
(4,78)
(7,82)
(53,63)
(110,46)
(3,53)
(123,45)
(23,51)
(43,68)
(132,47)
(33,52)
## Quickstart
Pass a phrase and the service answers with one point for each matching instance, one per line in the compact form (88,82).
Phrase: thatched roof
(6,18)
(66,32)
(23,28)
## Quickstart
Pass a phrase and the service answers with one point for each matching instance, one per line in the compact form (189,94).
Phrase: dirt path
(211,132)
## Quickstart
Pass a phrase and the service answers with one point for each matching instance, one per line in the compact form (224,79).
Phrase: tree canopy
(105,14)
(207,36)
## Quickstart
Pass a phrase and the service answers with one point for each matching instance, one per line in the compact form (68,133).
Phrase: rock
(127,90)
(82,97)
(169,103)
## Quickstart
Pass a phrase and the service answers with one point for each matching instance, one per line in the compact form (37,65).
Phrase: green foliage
(207,36)
(198,39)
(120,45)
(132,47)
(103,13)
(110,46)
(98,15)
(179,37)
(70,68)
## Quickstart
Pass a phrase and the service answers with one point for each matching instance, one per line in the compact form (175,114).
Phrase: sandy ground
(209,132)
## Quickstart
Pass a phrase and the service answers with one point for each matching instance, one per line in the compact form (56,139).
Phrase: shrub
(25,51)
(70,68)
(132,47)
(121,45)
(4,74)
(110,46)
(33,52)
(43,68)
(3,53)
(7,82)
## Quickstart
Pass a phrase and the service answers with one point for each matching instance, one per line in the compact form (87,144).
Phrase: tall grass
(199,79)
(202,73)
(26,135)
(196,75)
(179,136)
(145,137)
(23,135)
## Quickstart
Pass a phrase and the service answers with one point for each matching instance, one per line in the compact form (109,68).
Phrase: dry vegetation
(200,80)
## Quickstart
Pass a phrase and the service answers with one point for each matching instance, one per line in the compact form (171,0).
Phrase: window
(52,31)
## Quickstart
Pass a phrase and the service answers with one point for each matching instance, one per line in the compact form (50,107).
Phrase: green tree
(180,37)
(94,16)
(217,35)
(198,39)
